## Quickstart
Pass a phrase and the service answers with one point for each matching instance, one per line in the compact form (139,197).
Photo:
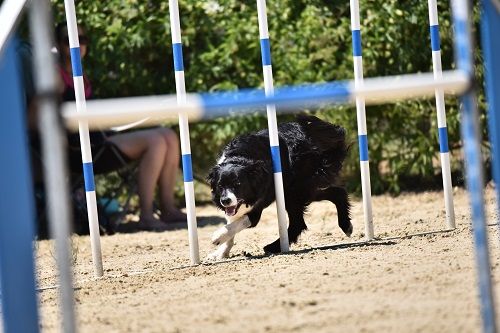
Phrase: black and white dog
(312,153)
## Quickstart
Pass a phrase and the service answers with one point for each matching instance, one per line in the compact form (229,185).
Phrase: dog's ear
(212,176)
(258,169)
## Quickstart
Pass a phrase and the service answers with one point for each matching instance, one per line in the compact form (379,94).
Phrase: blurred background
(130,54)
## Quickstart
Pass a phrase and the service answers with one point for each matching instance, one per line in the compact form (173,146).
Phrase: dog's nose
(225,201)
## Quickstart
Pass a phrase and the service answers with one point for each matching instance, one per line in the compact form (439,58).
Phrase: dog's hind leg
(339,197)
(295,227)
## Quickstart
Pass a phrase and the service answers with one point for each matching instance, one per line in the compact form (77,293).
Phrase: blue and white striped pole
(187,167)
(441,115)
(361,116)
(473,163)
(88,169)
(265,49)
(17,209)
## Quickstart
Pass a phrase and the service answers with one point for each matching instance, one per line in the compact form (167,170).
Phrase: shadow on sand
(202,221)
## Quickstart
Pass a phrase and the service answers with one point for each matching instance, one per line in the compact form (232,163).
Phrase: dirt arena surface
(413,278)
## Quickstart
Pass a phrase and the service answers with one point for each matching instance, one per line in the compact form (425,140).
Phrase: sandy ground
(413,278)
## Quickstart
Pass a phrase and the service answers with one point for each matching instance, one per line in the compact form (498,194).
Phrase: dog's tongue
(230,211)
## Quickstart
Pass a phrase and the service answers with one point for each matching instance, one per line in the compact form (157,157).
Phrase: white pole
(10,14)
(88,169)
(187,167)
(441,116)
(54,154)
(361,116)
(273,125)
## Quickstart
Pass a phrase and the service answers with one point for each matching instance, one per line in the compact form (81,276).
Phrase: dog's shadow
(202,221)
(377,242)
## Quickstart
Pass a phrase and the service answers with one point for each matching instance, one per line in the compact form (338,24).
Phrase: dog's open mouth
(232,210)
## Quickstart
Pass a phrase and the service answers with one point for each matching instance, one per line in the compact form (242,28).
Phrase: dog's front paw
(272,248)
(221,235)
(219,254)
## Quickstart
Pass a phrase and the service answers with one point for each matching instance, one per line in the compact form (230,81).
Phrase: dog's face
(237,186)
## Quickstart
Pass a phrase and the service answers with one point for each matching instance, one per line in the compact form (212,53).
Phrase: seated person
(156,150)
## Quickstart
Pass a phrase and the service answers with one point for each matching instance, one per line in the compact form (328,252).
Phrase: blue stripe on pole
(88,176)
(224,103)
(265,50)
(76,61)
(275,155)
(363,147)
(443,139)
(178,58)
(356,43)
(435,41)
(187,168)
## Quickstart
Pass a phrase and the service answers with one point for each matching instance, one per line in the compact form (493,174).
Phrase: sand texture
(414,277)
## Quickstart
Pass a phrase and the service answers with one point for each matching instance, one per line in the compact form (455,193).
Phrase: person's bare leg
(168,176)
(150,148)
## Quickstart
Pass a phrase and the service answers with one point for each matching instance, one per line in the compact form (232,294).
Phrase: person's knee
(170,138)
(157,143)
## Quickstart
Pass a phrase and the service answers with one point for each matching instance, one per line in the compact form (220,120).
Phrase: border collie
(242,182)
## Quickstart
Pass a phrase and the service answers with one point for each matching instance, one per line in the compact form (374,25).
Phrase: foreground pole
(17,217)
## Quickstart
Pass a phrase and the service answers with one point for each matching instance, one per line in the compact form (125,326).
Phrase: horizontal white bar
(10,14)
(392,88)
(105,113)
(111,112)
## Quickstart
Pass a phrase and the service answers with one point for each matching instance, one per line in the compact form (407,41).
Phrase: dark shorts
(106,156)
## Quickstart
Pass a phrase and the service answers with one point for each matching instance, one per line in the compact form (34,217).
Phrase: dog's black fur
(312,153)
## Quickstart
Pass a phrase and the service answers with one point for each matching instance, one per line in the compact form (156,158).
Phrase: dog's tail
(328,139)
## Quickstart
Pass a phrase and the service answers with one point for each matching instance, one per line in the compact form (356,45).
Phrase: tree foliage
(130,54)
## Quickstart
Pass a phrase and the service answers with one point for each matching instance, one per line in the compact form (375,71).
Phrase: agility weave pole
(464,58)
(490,26)
(364,161)
(441,115)
(187,166)
(272,124)
(54,155)
(206,106)
(17,215)
(88,168)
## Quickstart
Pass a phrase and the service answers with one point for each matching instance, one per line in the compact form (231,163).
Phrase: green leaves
(131,54)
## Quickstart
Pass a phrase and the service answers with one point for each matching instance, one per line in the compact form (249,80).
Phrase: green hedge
(130,54)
